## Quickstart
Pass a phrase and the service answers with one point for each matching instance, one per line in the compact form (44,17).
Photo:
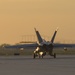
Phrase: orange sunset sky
(19,17)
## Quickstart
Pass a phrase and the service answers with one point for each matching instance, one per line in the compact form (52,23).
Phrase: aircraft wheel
(54,55)
(42,56)
(34,56)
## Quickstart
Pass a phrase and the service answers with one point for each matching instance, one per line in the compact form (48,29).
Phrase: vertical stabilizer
(38,36)
(52,40)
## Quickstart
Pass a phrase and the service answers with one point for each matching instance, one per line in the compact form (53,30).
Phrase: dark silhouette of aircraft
(44,46)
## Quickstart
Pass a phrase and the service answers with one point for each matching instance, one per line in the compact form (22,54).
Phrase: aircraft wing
(33,45)
(58,45)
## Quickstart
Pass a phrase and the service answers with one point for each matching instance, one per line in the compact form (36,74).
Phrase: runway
(26,65)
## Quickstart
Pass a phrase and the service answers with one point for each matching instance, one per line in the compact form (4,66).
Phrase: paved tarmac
(26,65)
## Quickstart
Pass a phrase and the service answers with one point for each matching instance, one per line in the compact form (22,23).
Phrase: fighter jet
(44,46)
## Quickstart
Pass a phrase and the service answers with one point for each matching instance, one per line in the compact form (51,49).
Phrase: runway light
(65,48)
(21,49)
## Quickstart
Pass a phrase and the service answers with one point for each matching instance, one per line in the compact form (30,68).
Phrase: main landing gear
(54,55)
(41,56)
(35,55)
